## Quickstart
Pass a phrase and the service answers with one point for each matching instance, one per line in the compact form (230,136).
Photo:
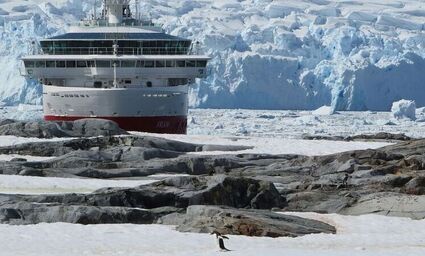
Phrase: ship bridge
(136,42)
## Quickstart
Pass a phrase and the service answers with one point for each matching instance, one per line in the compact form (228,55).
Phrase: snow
(6,141)
(356,236)
(323,111)
(10,184)
(275,54)
(28,158)
(404,109)
(274,146)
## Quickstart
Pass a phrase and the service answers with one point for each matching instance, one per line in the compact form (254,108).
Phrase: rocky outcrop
(382,136)
(179,192)
(389,204)
(33,213)
(172,193)
(231,221)
(79,128)
(359,182)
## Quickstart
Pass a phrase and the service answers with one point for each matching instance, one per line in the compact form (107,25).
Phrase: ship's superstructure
(115,66)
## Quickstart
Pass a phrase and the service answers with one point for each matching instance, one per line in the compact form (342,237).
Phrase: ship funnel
(117,9)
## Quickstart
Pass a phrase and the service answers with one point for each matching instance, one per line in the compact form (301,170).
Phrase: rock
(322,137)
(178,192)
(317,201)
(384,136)
(389,204)
(23,213)
(181,192)
(92,127)
(416,186)
(43,129)
(230,221)
(39,129)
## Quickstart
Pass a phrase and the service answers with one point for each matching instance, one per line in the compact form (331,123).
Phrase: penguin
(220,239)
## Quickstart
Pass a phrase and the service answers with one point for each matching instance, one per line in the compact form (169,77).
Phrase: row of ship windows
(87,96)
(123,64)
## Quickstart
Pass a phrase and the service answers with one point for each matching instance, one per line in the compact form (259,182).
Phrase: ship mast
(116,10)
(137,9)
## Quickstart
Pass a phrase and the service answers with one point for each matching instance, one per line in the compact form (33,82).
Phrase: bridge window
(149,64)
(201,63)
(50,64)
(29,64)
(103,64)
(40,64)
(140,64)
(91,64)
(128,64)
(160,63)
(70,64)
(190,63)
(181,63)
(170,64)
(60,64)
(81,64)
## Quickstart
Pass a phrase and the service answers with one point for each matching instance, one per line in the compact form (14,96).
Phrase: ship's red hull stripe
(166,124)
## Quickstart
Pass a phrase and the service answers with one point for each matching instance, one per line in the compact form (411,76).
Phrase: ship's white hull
(158,110)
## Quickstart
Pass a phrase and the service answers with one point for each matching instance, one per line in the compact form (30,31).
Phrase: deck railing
(121,50)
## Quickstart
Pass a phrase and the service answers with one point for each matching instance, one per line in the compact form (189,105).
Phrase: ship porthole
(149,84)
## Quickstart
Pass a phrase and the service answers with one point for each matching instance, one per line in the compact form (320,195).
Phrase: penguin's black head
(215,233)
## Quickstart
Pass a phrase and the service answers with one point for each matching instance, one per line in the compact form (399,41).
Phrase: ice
(351,55)
(6,141)
(404,109)
(357,236)
(323,111)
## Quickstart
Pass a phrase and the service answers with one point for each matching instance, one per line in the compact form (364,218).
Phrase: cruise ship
(119,67)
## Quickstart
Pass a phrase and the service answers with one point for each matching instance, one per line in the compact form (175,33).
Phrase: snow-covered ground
(357,236)
(274,54)
(10,184)
(274,146)
(13,140)
(28,158)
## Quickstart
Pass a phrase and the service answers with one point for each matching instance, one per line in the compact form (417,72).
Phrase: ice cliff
(281,54)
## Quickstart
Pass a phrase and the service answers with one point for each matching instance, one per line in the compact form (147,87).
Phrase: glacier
(268,54)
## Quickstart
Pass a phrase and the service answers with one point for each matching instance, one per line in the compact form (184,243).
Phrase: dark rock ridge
(25,213)
(231,221)
(43,129)
(382,136)
(179,192)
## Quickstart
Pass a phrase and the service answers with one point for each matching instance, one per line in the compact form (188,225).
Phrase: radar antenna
(136,2)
